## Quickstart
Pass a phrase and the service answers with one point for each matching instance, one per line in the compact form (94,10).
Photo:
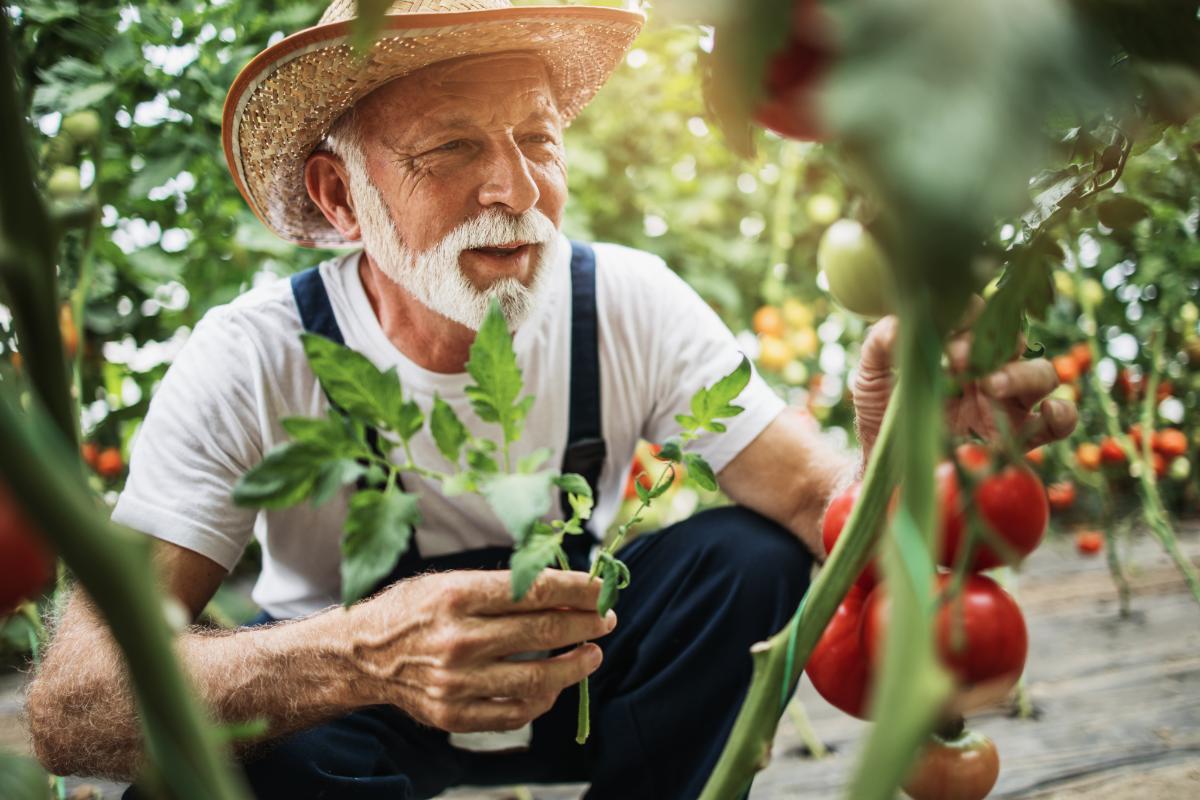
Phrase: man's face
(465,184)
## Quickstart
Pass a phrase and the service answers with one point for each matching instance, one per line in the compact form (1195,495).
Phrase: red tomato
(26,564)
(831,528)
(1128,384)
(1088,456)
(1061,495)
(963,768)
(1012,502)
(794,74)
(973,457)
(1066,367)
(1135,433)
(838,667)
(987,660)
(1082,353)
(1171,442)
(1089,543)
(109,463)
(1159,463)
(1111,452)
(90,452)
(1165,390)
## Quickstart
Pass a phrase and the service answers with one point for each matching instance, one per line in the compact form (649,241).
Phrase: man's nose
(508,181)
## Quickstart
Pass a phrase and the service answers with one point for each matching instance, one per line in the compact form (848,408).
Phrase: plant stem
(804,728)
(749,745)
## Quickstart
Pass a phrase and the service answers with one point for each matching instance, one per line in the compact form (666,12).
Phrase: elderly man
(443,155)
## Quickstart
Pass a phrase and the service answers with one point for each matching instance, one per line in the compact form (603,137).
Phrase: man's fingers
(542,630)
(1023,381)
(527,680)
(1053,421)
(553,589)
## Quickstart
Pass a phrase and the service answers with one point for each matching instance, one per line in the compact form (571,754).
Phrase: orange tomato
(1111,452)
(1082,353)
(109,463)
(1089,543)
(1171,442)
(90,452)
(1066,367)
(1036,456)
(1088,456)
(768,321)
(1061,495)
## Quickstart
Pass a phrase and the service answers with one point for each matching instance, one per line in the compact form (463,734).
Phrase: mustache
(494,227)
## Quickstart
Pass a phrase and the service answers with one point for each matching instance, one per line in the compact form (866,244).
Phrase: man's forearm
(294,675)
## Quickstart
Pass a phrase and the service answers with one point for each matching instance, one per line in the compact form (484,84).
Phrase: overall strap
(316,315)
(585,451)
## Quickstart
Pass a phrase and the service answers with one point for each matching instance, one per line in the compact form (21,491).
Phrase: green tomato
(856,268)
(1180,468)
(64,183)
(795,373)
(1064,284)
(1189,314)
(822,209)
(82,126)
(1091,293)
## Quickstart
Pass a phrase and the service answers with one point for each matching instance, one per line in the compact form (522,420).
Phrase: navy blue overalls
(675,669)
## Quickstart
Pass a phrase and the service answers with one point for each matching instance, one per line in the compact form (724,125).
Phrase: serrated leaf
(671,449)
(409,420)
(529,560)
(1026,286)
(615,577)
(716,402)
(573,483)
(700,471)
(481,461)
(376,533)
(581,507)
(458,484)
(534,460)
(336,434)
(356,385)
(332,476)
(283,478)
(498,382)
(448,431)
(519,500)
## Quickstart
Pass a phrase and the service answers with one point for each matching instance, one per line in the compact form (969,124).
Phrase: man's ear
(328,185)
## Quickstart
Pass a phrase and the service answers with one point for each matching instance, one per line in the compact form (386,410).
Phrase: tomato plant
(1012,504)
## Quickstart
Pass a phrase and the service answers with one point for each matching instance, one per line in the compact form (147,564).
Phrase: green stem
(909,692)
(749,745)
(804,728)
(113,564)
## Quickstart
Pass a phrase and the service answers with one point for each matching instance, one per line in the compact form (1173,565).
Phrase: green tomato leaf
(283,478)
(377,532)
(528,561)
(459,483)
(22,778)
(716,402)
(581,508)
(530,463)
(615,577)
(573,483)
(409,420)
(519,500)
(332,476)
(498,383)
(672,450)
(700,471)
(357,386)
(1026,286)
(480,459)
(335,434)
(448,431)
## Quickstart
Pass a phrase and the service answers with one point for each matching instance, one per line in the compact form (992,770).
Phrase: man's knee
(766,563)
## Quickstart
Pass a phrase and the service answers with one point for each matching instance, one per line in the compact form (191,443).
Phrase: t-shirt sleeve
(199,436)
(693,348)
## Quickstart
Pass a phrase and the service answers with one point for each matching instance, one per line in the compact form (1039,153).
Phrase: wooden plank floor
(1119,700)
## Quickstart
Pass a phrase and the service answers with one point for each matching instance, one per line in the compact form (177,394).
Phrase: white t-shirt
(243,369)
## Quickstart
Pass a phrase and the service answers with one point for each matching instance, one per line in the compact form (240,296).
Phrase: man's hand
(1016,390)
(436,645)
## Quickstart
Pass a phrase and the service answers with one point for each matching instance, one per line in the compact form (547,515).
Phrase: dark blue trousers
(663,702)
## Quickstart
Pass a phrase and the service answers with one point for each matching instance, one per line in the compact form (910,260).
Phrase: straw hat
(283,102)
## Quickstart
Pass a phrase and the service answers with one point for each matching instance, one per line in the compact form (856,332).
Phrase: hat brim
(284,101)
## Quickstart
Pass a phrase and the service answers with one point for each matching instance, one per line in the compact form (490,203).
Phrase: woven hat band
(342,10)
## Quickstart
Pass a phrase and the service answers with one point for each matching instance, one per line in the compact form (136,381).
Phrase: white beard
(435,277)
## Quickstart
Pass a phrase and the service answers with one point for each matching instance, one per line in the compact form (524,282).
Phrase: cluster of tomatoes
(786,338)
(107,461)
(981,635)
(1167,447)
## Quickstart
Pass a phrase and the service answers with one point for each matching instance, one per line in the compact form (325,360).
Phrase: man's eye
(456,144)
(540,138)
